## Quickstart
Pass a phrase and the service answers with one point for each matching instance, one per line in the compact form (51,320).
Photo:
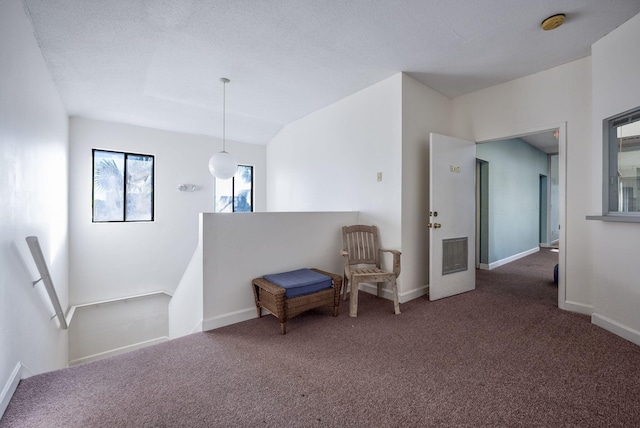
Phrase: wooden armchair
(362,255)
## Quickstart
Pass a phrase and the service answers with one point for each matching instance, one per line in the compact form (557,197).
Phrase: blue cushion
(300,282)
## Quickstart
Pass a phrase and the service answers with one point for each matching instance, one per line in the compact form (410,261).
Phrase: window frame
(124,188)
(610,192)
(233,191)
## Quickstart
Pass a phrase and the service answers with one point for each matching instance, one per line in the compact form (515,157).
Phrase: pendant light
(223,165)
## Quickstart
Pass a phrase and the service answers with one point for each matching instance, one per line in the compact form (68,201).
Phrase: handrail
(73,308)
(45,277)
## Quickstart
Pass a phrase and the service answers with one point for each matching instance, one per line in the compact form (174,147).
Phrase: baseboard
(250,313)
(118,351)
(388,294)
(197,328)
(10,388)
(228,319)
(509,259)
(412,294)
(616,328)
(577,307)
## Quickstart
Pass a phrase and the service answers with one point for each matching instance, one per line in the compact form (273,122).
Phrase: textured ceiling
(157,63)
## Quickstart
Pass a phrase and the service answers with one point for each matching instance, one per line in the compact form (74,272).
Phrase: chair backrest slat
(361,242)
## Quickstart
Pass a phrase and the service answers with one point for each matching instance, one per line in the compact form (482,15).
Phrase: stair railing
(45,277)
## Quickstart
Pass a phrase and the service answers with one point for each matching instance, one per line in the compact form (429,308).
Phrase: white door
(452,211)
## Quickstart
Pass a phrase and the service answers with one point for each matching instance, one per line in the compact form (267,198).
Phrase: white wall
(615,252)
(112,260)
(33,201)
(240,247)
(186,305)
(541,101)
(423,111)
(107,329)
(329,160)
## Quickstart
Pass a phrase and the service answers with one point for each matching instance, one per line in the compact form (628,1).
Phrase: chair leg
(283,327)
(345,283)
(379,284)
(396,303)
(353,299)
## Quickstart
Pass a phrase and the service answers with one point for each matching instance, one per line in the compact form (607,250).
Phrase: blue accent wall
(514,169)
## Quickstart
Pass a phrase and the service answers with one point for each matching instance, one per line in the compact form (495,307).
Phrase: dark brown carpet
(503,355)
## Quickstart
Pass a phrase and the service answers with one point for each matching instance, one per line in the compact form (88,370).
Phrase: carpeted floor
(503,355)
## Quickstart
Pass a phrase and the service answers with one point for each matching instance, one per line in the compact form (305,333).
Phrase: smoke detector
(553,22)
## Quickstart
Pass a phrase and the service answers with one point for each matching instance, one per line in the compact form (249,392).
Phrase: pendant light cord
(222,164)
(224,114)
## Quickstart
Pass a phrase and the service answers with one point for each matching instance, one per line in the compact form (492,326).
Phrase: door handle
(437,225)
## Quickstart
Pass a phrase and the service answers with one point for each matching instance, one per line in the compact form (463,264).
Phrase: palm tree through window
(236,193)
(122,186)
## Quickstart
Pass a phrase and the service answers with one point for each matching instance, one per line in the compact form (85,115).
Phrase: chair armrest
(396,260)
(391,251)
(268,287)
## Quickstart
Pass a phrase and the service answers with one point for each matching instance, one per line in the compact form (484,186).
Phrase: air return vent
(454,255)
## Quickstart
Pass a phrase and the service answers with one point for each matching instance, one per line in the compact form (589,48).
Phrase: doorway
(543,197)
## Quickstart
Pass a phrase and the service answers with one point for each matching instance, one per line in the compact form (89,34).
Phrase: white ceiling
(157,63)
(545,141)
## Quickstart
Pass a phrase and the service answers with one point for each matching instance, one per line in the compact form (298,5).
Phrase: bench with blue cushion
(300,282)
(288,294)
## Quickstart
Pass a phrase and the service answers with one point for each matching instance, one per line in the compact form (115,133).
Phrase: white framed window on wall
(622,165)
(236,193)
(123,187)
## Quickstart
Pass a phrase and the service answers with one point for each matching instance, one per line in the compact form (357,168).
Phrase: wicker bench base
(272,298)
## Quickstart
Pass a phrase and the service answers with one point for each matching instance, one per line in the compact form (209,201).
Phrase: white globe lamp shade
(223,165)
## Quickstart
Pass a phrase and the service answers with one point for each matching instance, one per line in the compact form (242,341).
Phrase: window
(622,164)
(122,186)
(236,194)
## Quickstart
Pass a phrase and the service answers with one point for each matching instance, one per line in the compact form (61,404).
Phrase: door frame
(482,214)
(562,193)
(544,235)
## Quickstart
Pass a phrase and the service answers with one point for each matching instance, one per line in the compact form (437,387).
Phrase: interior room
(518,195)
(332,111)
